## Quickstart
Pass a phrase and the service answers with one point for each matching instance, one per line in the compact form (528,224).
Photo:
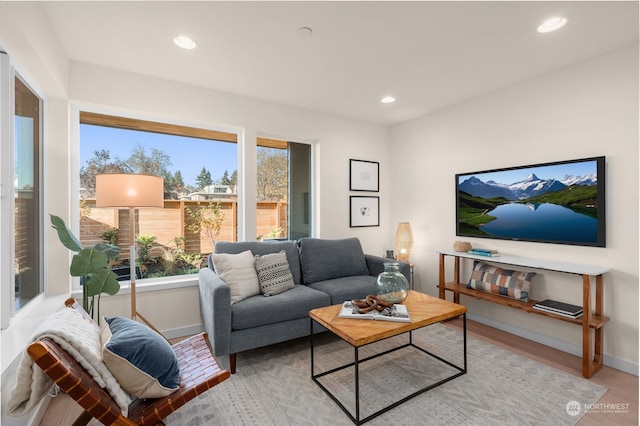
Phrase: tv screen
(561,202)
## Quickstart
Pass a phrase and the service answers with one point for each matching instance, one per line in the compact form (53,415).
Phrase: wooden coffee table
(423,309)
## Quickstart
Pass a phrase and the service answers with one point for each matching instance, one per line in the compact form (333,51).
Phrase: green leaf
(64,234)
(109,249)
(88,261)
(103,281)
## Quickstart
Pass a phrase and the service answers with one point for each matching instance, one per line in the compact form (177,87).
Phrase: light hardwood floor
(623,387)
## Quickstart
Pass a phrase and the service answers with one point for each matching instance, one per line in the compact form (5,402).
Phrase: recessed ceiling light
(552,24)
(388,100)
(185,42)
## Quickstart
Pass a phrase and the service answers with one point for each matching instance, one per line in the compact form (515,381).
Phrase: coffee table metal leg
(464,327)
(357,363)
(311,340)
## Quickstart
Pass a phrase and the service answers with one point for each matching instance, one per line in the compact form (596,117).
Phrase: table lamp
(404,241)
(131,191)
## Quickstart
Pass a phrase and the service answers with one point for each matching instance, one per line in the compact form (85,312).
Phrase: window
(283,189)
(21,205)
(199,168)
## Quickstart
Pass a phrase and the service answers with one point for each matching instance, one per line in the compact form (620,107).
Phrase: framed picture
(364,176)
(389,253)
(365,211)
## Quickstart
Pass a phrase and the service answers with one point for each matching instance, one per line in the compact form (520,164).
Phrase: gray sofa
(325,272)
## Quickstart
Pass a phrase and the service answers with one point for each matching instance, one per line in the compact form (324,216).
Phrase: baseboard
(609,360)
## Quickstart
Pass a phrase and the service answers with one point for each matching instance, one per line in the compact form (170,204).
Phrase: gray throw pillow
(324,259)
(274,275)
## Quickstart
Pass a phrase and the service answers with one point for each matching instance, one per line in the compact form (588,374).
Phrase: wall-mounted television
(561,202)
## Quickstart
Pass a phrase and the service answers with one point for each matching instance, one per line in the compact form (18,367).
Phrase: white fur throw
(81,339)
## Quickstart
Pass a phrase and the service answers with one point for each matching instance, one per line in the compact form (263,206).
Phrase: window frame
(8,76)
(247,140)
(111,117)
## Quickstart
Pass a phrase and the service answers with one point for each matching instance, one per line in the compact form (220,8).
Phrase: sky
(189,155)
(543,172)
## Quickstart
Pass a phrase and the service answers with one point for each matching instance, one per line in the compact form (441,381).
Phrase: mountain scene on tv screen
(536,209)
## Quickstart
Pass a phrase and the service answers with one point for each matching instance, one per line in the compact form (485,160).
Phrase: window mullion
(7,106)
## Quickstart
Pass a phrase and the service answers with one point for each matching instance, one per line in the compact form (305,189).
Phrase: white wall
(586,110)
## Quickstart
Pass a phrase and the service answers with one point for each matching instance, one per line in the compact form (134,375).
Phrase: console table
(591,318)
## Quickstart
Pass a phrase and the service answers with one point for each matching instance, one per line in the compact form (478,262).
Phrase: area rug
(273,386)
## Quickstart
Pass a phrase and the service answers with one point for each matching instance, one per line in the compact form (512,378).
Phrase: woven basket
(462,246)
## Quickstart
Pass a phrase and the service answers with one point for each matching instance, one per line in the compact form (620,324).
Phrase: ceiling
(429,55)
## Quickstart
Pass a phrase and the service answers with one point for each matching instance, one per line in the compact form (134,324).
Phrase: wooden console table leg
(456,277)
(591,364)
(586,332)
(598,357)
(441,278)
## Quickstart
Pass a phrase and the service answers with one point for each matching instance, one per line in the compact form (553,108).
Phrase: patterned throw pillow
(505,282)
(274,275)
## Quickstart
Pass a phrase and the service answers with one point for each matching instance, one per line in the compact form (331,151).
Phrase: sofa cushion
(505,282)
(238,271)
(265,247)
(347,288)
(274,275)
(141,360)
(323,259)
(293,304)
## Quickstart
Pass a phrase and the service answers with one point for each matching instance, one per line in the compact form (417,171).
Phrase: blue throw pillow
(140,359)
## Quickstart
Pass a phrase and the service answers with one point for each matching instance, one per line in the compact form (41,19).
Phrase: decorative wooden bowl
(462,246)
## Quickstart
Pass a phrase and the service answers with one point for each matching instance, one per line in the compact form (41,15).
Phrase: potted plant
(91,265)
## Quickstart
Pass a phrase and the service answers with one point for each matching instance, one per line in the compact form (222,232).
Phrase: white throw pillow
(239,272)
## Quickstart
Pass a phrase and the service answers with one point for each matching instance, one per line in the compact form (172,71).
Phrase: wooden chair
(199,372)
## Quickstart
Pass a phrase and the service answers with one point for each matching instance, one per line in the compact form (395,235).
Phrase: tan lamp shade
(404,241)
(129,190)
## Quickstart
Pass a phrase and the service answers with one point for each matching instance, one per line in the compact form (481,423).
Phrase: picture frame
(390,253)
(364,211)
(364,175)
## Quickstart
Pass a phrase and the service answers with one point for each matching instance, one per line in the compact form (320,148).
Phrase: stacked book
(559,308)
(484,252)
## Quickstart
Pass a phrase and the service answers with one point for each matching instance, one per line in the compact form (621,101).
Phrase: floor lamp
(131,191)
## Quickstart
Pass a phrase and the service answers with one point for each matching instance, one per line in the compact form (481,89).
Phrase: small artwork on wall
(364,175)
(389,253)
(365,211)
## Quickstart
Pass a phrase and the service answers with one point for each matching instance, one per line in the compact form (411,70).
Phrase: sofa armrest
(376,266)
(215,310)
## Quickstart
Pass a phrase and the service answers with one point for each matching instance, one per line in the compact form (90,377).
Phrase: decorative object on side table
(462,246)
(392,286)
(404,241)
(390,254)
(484,252)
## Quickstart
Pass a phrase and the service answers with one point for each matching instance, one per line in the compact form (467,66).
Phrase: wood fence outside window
(173,221)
